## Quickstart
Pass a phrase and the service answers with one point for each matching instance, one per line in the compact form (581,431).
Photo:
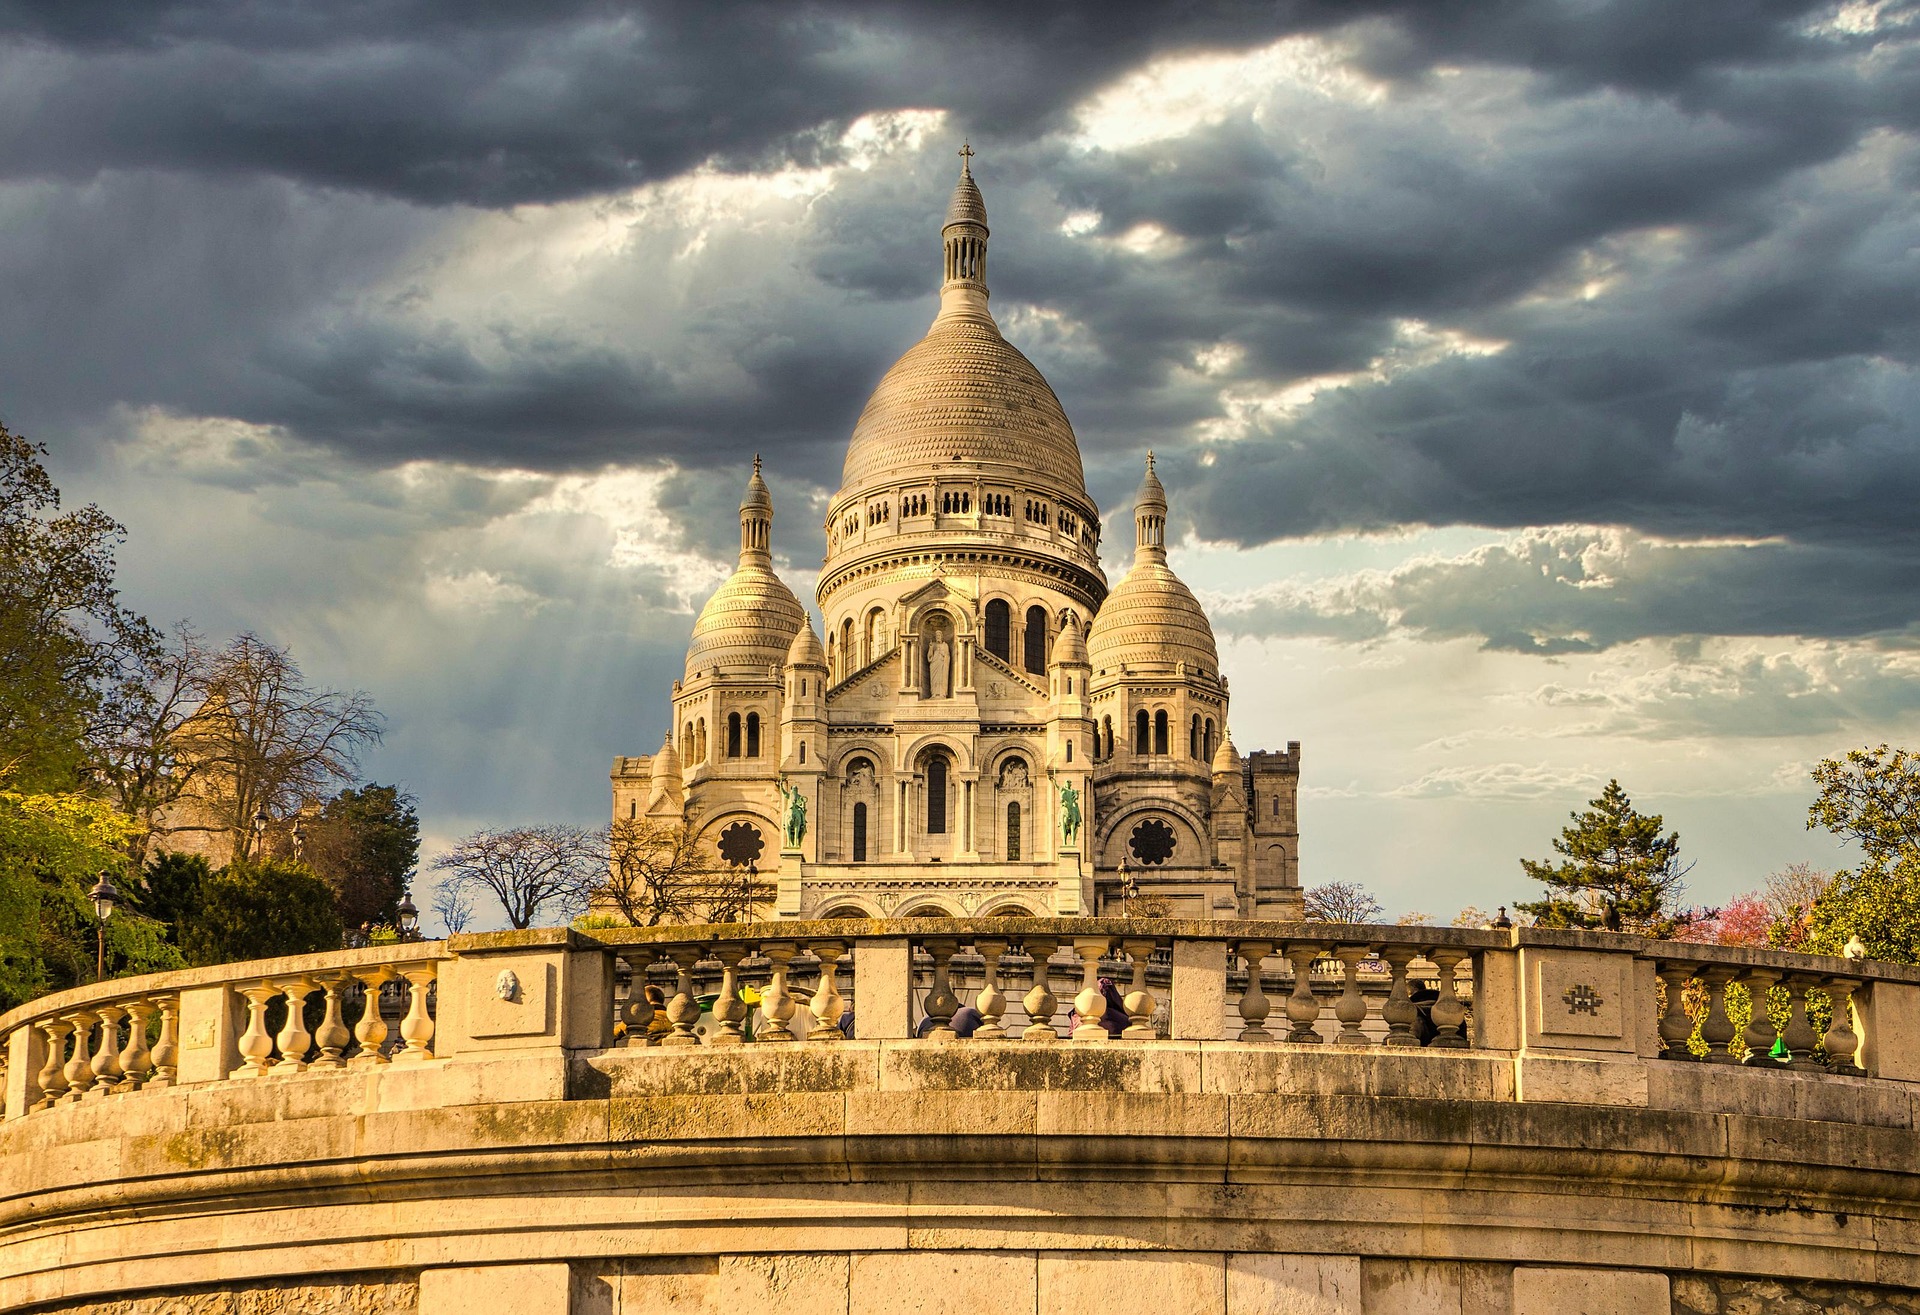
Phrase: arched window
(859,833)
(1037,640)
(1206,744)
(1160,731)
(803,753)
(633,808)
(1069,750)
(1193,737)
(686,744)
(847,652)
(700,741)
(1140,733)
(875,642)
(1107,722)
(753,735)
(936,795)
(1276,805)
(1013,833)
(1000,629)
(733,735)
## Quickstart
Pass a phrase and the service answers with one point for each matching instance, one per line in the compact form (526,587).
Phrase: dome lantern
(756,518)
(1150,517)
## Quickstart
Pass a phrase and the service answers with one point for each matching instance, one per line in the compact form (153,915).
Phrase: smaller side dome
(806,649)
(1151,621)
(751,620)
(1226,759)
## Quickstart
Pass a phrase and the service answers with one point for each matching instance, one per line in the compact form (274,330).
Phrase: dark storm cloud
(505,103)
(1552,592)
(216,210)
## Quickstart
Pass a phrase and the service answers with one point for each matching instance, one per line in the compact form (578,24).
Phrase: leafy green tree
(1870,796)
(365,844)
(53,847)
(71,658)
(261,910)
(1617,872)
(170,892)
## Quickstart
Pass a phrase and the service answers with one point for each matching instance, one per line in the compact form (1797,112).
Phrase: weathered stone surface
(523,1289)
(1437,1287)
(1573,1291)
(940,1283)
(371,1294)
(1165,1283)
(1293,1285)
(1718,1294)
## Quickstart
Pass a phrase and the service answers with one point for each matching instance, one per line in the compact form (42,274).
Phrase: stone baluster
(1842,1043)
(991,1002)
(1351,1009)
(166,1051)
(53,1074)
(1676,1025)
(1090,1003)
(136,1061)
(1760,1033)
(683,1011)
(1400,1012)
(416,1029)
(637,1011)
(1139,1001)
(777,1005)
(106,1056)
(332,1035)
(1254,1006)
(79,1070)
(941,1003)
(1303,1007)
(1449,1011)
(256,1043)
(1040,1001)
(371,1030)
(294,1039)
(1798,1033)
(828,1003)
(729,1010)
(1717,1029)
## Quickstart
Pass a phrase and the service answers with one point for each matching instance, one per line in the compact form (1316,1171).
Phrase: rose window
(740,844)
(1152,842)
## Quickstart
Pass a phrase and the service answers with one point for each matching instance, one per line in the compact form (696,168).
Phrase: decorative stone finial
(966,158)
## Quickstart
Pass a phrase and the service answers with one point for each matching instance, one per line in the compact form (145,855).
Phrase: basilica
(987,728)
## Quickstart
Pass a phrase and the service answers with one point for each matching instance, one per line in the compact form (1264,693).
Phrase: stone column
(882,981)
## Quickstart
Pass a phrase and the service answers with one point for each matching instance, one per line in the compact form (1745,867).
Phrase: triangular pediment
(989,662)
(868,678)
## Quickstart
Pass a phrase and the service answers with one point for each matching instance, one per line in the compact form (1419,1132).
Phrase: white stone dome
(1150,622)
(806,649)
(964,393)
(748,624)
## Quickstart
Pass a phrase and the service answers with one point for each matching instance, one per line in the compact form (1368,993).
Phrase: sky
(1534,384)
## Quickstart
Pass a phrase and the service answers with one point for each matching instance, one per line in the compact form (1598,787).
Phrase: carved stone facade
(986,728)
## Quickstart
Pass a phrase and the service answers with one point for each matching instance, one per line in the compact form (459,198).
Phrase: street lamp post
(104,897)
(262,819)
(409,916)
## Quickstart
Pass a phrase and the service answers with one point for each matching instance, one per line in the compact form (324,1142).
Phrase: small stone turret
(666,797)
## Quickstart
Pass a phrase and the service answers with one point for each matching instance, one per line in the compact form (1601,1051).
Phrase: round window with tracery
(740,844)
(1152,842)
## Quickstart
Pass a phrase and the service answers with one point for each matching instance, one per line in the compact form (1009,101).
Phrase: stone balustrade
(1521,992)
(272,1018)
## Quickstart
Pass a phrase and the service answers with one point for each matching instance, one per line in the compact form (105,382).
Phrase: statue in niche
(939,664)
(1014,777)
(861,778)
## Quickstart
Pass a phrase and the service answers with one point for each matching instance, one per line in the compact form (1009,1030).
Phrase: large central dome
(964,393)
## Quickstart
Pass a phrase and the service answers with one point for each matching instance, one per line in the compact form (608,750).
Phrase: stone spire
(1150,518)
(756,519)
(664,794)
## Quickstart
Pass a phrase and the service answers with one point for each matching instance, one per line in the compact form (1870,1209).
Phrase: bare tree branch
(528,870)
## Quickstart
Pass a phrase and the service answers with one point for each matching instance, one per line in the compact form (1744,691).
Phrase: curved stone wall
(507,1153)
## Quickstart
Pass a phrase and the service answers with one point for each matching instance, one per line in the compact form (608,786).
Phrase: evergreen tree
(365,844)
(261,910)
(1617,872)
